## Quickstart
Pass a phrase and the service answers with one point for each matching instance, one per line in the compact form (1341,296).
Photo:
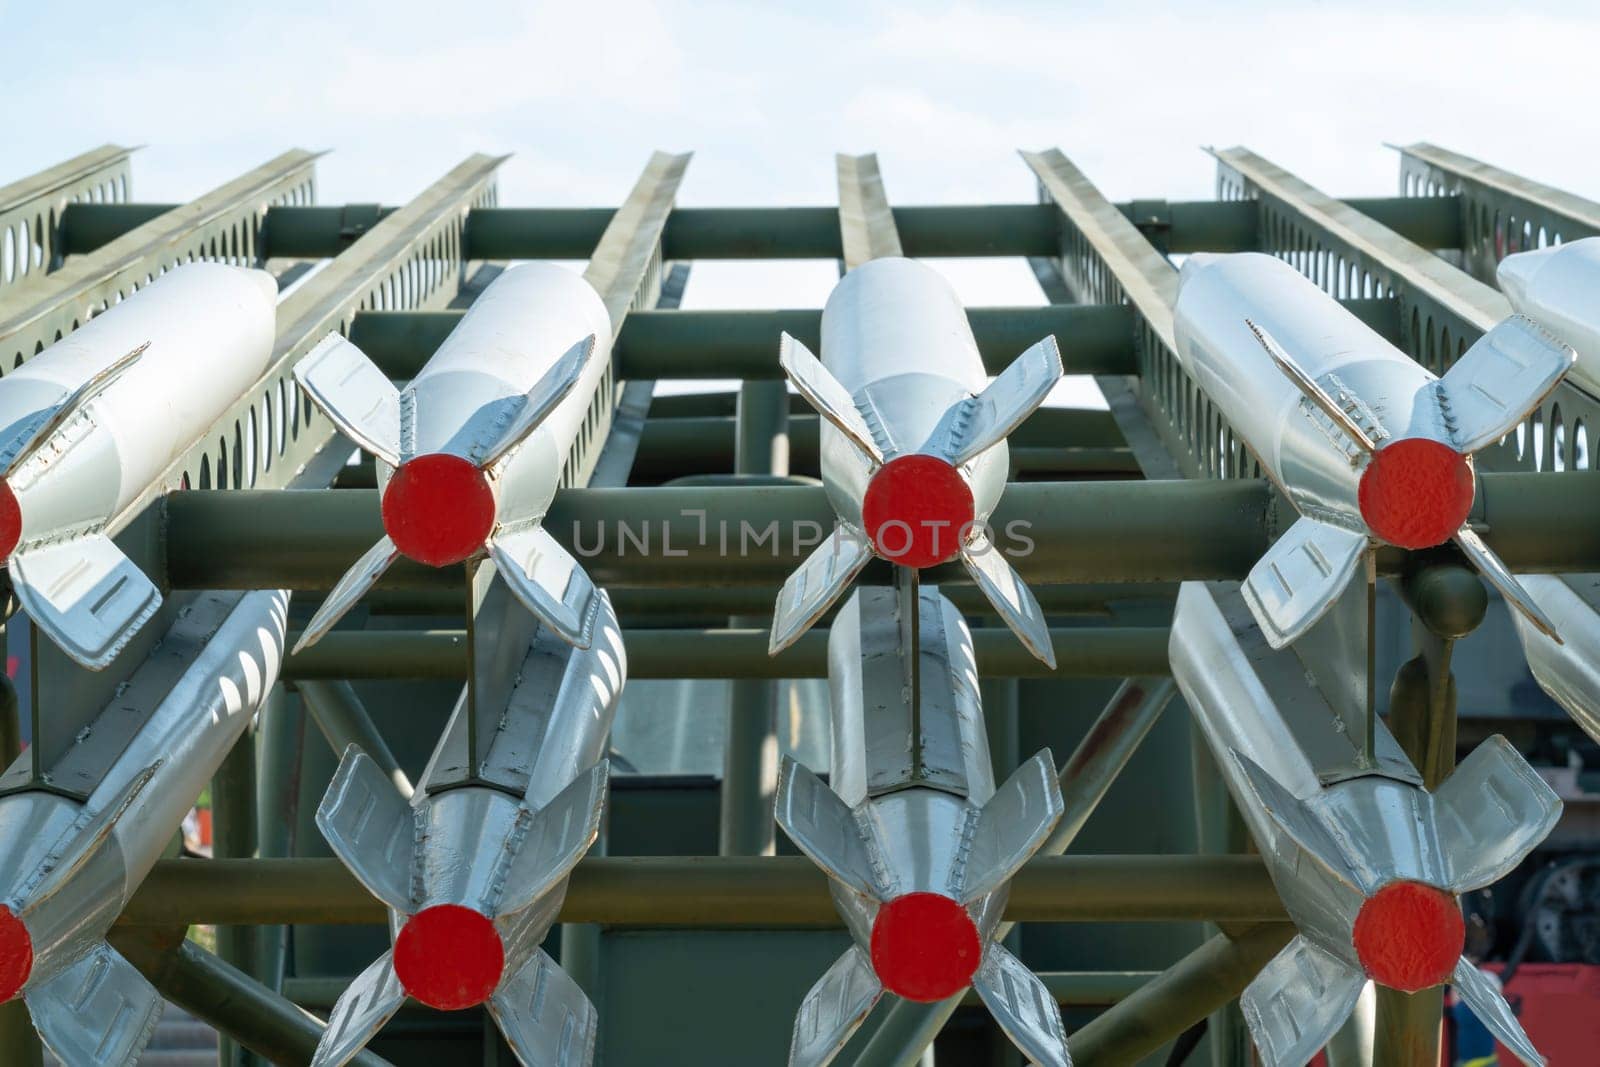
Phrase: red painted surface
(10,521)
(925,947)
(449,957)
(16,954)
(438,509)
(916,511)
(1416,493)
(1409,936)
(1558,1005)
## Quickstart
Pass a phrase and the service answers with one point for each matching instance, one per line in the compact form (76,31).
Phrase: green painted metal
(343,720)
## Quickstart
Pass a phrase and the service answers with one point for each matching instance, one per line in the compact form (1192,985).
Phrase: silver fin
(1302,824)
(976,425)
(1483,996)
(1297,1002)
(545,1016)
(99,1012)
(356,396)
(24,444)
(560,833)
(1570,673)
(1010,597)
(1500,379)
(1011,827)
(1495,572)
(1023,1006)
(823,827)
(529,411)
(833,1010)
(548,581)
(349,590)
(85,837)
(370,828)
(1490,813)
(811,590)
(1312,390)
(86,595)
(1300,577)
(360,1012)
(823,391)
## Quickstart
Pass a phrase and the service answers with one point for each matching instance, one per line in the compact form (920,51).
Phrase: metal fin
(1011,827)
(811,590)
(530,410)
(978,424)
(361,576)
(823,827)
(355,394)
(25,444)
(360,1012)
(99,1012)
(1312,390)
(85,837)
(1298,1001)
(833,1010)
(1490,813)
(823,391)
(86,595)
(1494,571)
(548,581)
(370,828)
(1302,824)
(1023,1007)
(1010,597)
(560,833)
(1483,996)
(1300,577)
(545,1016)
(1570,673)
(1500,379)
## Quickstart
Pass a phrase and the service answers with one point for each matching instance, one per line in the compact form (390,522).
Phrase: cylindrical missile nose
(918,511)
(1409,936)
(438,509)
(16,954)
(10,521)
(1416,492)
(449,957)
(1516,271)
(925,947)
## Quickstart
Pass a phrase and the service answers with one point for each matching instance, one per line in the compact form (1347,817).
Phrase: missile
(68,865)
(1365,442)
(918,844)
(92,422)
(913,446)
(470,453)
(1556,288)
(474,875)
(1367,862)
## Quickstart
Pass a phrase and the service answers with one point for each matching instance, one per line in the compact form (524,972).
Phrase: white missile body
(68,867)
(1557,288)
(1367,862)
(470,453)
(918,844)
(1365,442)
(914,455)
(90,423)
(473,875)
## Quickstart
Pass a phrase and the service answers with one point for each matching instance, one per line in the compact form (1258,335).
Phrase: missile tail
(548,582)
(354,394)
(360,1012)
(546,1017)
(1298,1002)
(834,1009)
(370,827)
(1300,577)
(98,1012)
(816,584)
(1023,1006)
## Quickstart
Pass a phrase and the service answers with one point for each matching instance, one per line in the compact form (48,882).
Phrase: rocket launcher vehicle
(474,874)
(69,866)
(1367,862)
(87,427)
(470,453)
(918,845)
(914,454)
(1366,443)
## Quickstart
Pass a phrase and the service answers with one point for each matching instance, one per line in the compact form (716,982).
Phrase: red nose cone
(10,521)
(449,957)
(438,509)
(1409,936)
(925,947)
(917,510)
(16,954)
(1416,493)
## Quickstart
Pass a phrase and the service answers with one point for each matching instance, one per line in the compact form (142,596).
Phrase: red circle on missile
(1416,493)
(1409,936)
(16,954)
(449,957)
(925,947)
(438,509)
(10,521)
(917,510)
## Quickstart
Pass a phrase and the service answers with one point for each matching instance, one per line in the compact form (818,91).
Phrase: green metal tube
(718,891)
(381,654)
(343,720)
(1084,988)
(1434,222)
(87,226)
(233,806)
